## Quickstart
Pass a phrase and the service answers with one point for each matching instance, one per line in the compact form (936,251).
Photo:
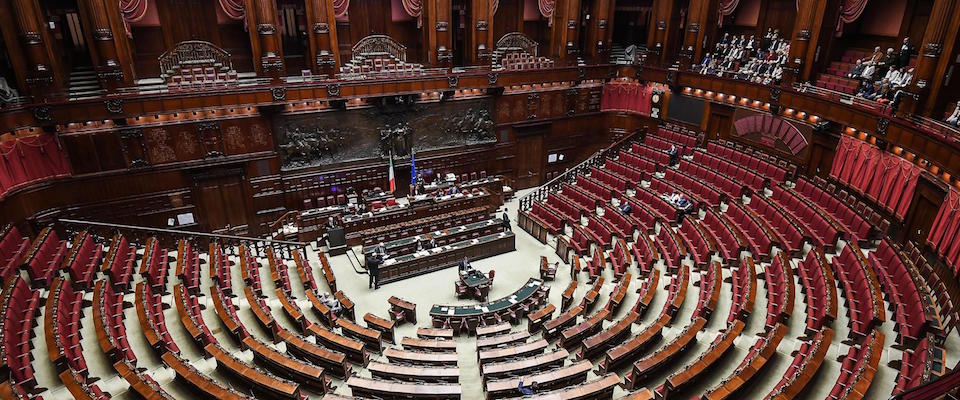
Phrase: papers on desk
(474,241)
(462,228)
(534,283)
(447,247)
(450,311)
(436,250)
(389,261)
(423,253)
(502,234)
(512,300)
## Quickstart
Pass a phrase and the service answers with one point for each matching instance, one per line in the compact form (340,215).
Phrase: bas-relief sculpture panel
(373,132)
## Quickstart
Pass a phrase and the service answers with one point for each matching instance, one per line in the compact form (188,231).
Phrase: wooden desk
(607,338)
(705,361)
(323,313)
(510,308)
(385,326)
(333,362)
(143,385)
(291,309)
(439,345)
(572,336)
(501,340)
(642,394)
(521,350)
(521,366)
(292,368)
(568,318)
(414,373)
(760,353)
(347,304)
(434,333)
(226,311)
(572,374)
(491,330)
(653,362)
(791,386)
(257,379)
(263,316)
(402,310)
(567,297)
(354,349)
(590,298)
(539,317)
(201,382)
(419,357)
(400,390)
(371,337)
(600,388)
(328,273)
(629,350)
(409,265)
(619,292)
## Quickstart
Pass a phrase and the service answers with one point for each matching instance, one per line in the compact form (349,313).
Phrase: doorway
(221,202)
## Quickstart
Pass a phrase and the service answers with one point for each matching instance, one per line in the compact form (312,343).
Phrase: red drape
(726,8)
(850,10)
(626,96)
(29,159)
(546,9)
(946,229)
(883,177)
(414,8)
(340,8)
(233,8)
(132,11)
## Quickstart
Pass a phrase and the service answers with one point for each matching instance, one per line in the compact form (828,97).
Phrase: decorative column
(40,77)
(563,35)
(931,65)
(481,31)
(265,40)
(701,25)
(322,25)
(660,29)
(109,50)
(435,16)
(599,31)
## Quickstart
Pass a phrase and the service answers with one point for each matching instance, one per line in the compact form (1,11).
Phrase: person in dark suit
(373,269)
(506,223)
(906,51)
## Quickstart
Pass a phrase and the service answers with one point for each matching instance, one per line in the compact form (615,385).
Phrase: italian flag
(393,180)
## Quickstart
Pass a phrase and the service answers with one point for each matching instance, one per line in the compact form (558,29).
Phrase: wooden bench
(402,310)
(257,379)
(575,334)
(371,337)
(385,326)
(297,370)
(417,373)
(333,362)
(434,333)
(199,381)
(355,350)
(347,304)
(521,350)
(609,337)
(539,317)
(572,374)
(568,318)
(389,389)
(437,345)
(491,330)
(419,357)
(523,366)
(501,340)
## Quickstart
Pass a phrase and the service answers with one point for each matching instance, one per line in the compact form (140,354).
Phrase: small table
(478,284)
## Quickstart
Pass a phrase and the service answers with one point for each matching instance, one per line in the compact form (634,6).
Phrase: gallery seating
(13,246)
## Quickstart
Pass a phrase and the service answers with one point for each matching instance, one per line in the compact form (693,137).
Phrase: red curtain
(850,10)
(340,8)
(883,177)
(414,8)
(946,229)
(132,11)
(546,9)
(29,159)
(626,96)
(726,8)
(233,8)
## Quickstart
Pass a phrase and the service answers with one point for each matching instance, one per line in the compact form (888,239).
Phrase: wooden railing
(595,160)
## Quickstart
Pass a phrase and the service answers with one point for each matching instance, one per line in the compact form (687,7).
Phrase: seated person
(674,198)
(684,204)
(673,154)
(526,391)
(857,70)
(331,302)
(625,206)
(954,118)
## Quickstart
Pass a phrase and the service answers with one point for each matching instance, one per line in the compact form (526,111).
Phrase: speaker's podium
(336,241)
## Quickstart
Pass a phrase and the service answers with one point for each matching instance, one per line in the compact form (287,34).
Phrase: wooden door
(221,204)
(530,160)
